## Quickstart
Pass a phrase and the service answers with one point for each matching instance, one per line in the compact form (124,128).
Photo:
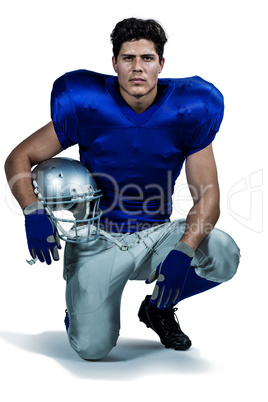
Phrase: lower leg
(194,285)
(164,321)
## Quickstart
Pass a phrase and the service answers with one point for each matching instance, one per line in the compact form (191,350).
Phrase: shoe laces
(170,319)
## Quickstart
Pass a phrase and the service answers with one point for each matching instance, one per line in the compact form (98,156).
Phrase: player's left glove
(171,275)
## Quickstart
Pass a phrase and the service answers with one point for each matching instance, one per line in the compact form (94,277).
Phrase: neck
(139,103)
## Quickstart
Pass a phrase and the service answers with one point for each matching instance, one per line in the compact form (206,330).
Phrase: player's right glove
(171,275)
(42,236)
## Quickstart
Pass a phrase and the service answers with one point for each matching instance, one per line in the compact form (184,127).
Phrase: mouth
(137,80)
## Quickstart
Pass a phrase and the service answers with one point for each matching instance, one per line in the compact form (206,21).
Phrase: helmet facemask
(71,198)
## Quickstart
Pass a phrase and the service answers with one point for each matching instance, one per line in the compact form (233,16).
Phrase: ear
(114,64)
(161,66)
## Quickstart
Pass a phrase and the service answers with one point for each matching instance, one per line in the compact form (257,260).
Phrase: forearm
(41,145)
(18,172)
(200,220)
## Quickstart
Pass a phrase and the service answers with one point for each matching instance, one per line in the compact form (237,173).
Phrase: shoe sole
(182,348)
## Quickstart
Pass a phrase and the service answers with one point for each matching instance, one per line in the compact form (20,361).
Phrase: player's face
(137,67)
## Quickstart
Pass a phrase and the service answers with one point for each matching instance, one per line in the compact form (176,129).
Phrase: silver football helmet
(66,187)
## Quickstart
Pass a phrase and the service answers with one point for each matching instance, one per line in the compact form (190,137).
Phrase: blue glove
(42,237)
(171,275)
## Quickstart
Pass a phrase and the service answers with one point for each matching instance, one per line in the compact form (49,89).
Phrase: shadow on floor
(131,358)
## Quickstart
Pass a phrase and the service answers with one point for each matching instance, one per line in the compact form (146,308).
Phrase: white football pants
(97,272)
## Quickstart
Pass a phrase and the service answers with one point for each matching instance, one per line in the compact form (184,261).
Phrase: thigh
(95,276)
(216,259)
(93,272)
(161,241)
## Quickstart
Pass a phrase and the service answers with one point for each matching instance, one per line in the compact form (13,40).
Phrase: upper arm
(201,173)
(41,145)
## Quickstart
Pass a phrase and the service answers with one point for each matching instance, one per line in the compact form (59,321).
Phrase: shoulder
(79,82)
(194,100)
(196,89)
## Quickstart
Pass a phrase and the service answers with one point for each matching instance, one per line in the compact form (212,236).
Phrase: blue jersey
(135,158)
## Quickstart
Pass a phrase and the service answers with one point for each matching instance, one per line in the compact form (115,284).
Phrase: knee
(92,349)
(223,256)
(226,255)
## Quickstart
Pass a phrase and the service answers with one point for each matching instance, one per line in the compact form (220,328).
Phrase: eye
(148,58)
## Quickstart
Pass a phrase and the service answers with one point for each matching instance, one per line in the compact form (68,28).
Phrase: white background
(223,42)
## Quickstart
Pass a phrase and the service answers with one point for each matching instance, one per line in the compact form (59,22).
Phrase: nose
(137,65)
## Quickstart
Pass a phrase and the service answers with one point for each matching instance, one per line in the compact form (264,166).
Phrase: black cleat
(165,324)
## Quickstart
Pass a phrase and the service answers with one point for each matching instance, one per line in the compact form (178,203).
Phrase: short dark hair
(135,29)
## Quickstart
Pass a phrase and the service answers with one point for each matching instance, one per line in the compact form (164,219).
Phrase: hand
(171,275)
(42,236)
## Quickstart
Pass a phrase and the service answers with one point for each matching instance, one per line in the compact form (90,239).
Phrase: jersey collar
(134,117)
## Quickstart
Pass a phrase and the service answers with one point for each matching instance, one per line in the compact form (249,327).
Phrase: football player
(134,131)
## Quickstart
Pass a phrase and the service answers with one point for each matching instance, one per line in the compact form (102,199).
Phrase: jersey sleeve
(63,114)
(209,122)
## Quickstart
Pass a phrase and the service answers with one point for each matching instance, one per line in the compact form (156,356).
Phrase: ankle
(152,304)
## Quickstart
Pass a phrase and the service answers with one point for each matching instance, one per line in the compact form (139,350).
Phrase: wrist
(34,206)
(26,200)
(184,248)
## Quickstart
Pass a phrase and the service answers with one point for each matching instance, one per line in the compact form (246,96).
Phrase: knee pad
(92,349)
(92,336)
(217,258)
